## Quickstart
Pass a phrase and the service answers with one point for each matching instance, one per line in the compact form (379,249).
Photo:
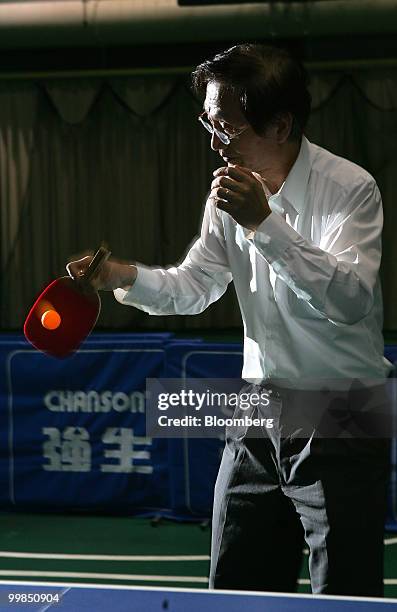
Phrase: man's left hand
(236,190)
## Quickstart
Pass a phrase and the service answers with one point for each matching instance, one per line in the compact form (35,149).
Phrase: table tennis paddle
(65,312)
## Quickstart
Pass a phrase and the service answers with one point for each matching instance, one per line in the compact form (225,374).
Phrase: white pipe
(121,22)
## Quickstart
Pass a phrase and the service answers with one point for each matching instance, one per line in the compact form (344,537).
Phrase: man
(298,230)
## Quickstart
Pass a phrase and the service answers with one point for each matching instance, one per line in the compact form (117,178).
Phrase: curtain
(125,161)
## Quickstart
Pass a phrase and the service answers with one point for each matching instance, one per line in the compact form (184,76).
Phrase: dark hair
(267,81)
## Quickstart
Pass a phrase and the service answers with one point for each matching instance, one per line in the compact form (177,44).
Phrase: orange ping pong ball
(51,320)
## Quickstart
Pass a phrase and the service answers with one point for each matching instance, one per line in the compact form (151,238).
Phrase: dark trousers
(298,479)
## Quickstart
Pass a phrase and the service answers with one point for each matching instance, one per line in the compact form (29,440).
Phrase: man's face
(248,149)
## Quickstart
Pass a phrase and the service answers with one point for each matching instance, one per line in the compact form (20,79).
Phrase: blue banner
(77,430)
(72,432)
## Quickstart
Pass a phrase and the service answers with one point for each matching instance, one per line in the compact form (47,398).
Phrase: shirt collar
(294,187)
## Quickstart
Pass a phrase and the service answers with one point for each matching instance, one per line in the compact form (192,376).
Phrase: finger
(214,192)
(229,183)
(220,171)
(226,206)
(213,197)
(227,195)
(72,269)
(243,169)
(75,257)
(225,199)
(78,268)
(240,174)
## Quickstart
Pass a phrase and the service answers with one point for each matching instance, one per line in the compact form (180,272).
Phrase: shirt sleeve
(202,277)
(337,278)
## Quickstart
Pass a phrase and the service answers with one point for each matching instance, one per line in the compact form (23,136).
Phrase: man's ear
(280,127)
(283,124)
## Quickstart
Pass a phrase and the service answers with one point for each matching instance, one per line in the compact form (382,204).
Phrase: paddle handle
(98,260)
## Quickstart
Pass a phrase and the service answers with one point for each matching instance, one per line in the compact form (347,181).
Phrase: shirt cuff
(144,291)
(273,238)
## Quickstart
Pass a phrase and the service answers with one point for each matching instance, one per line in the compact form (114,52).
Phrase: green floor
(169,554)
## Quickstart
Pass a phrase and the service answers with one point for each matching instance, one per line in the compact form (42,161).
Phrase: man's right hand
(111,275)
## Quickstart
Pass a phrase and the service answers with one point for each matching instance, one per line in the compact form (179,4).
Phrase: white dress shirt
(306,280)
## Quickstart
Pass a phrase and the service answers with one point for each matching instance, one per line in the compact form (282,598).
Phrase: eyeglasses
(225,137)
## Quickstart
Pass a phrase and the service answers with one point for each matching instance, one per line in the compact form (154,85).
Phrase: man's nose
(216,142)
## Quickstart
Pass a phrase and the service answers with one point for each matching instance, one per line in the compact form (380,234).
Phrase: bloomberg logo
(94,401)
